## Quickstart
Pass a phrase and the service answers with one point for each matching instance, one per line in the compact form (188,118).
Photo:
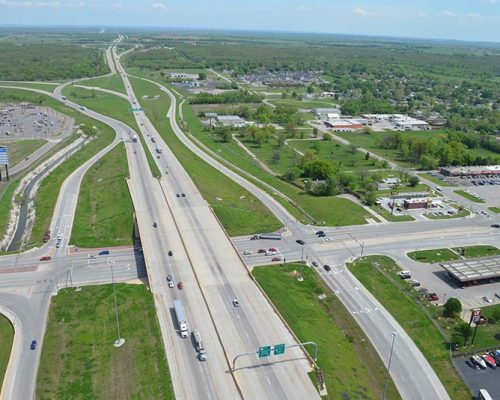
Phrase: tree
(318,170)
(202,76)
(452,308)
(413,181)
(370,198)
(280,138)
(315,132)
(276,157)
(367,156)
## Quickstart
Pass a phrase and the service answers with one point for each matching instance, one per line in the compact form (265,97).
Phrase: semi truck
(181,318)
(202,354)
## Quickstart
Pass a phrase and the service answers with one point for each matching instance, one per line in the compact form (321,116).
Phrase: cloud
(30,4)
(159,6)
(446,13)
(360,12)
(490,1)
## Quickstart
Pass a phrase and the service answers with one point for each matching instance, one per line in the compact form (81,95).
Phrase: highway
(221,276)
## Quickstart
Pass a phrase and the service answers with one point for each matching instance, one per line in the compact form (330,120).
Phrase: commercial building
(399,120)
(343,124)
(231,120)
(471,171)
(411,204)
(322,113)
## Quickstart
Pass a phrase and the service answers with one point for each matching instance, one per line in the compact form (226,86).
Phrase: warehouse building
(231,120)
(322,113)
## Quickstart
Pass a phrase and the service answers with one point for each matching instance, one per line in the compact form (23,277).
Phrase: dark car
(300,241)
(180,286)
(327,267)
(33,345)
(169,278)
(495,225)
(178,195)
(46,258)
(103,252)
(315,263)
(183,195)
(320,233)
(432,297)
(260,251)
(170,253)
(155,225)
(276,259)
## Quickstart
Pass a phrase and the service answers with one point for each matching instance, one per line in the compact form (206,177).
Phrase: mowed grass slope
(78,359)
(373,273)
(111,82)
(238,210)
(351,366)
(104,211)
(6,339)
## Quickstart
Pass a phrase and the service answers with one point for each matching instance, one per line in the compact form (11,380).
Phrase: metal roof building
(474,269)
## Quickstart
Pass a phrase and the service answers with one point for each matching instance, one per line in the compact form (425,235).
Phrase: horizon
(461,20)
(188,29)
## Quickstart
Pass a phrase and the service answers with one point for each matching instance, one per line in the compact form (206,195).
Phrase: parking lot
(439,206)
(476,379)
(26,121)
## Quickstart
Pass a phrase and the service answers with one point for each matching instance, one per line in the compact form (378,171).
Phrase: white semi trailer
(181,318)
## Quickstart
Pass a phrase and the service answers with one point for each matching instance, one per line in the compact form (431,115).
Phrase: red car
(433,297)
(273,249)
(180,286)
(261,251)
(276,259)
(46,258)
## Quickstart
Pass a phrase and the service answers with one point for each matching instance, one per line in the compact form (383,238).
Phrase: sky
(472,20)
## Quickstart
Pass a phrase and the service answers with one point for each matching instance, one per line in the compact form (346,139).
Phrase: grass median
(469,196)
(20,149)
(378,275)
(352,368)
(104,211)
(6,339)
(444,254)
(78,360)
(111,82)
(239,211)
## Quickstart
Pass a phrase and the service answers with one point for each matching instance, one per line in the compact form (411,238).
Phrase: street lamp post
(119,341)
(393,334)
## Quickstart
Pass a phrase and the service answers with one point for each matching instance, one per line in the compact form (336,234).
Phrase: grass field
(378,275)
(435,180)
(480,251)
(111,82)
(104,210)
(469,196)
(306,104)
(112,106)
(334,211)
(496,210)
(238,210)
(20,149)
(78,360)
(104,103)
(351,366)
(6,339)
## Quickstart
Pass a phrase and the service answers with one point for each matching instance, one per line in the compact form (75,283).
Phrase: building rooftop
(474,269)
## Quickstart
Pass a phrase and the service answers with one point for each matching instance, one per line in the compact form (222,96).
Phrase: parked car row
(483,361)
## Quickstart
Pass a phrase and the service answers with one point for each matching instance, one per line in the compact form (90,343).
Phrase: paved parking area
(26,121)
(476,379)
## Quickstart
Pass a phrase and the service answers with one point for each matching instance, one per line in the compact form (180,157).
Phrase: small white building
(322,113)
(231,120)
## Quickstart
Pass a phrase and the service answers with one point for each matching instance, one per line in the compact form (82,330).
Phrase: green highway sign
(279,349)
(264,351)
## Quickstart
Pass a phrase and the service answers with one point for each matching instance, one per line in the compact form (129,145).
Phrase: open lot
(351,367)
(78,359)
(6,338)
(104,211)
(21,149)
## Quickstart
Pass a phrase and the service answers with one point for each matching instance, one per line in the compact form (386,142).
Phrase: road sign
(4,155)
(264,351)
(279,349)
(210,114)
(476,315)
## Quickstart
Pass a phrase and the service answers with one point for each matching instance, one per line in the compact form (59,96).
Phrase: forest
(49,61)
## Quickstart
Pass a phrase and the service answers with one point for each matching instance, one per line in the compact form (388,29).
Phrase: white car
(270,253)
(236,303)
(170,284)
(487,299)
(247,252)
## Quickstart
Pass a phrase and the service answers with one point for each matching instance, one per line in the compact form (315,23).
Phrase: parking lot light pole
(393,334)
(119,341)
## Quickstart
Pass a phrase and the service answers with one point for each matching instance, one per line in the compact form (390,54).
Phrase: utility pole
(393,334)
(119,341)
